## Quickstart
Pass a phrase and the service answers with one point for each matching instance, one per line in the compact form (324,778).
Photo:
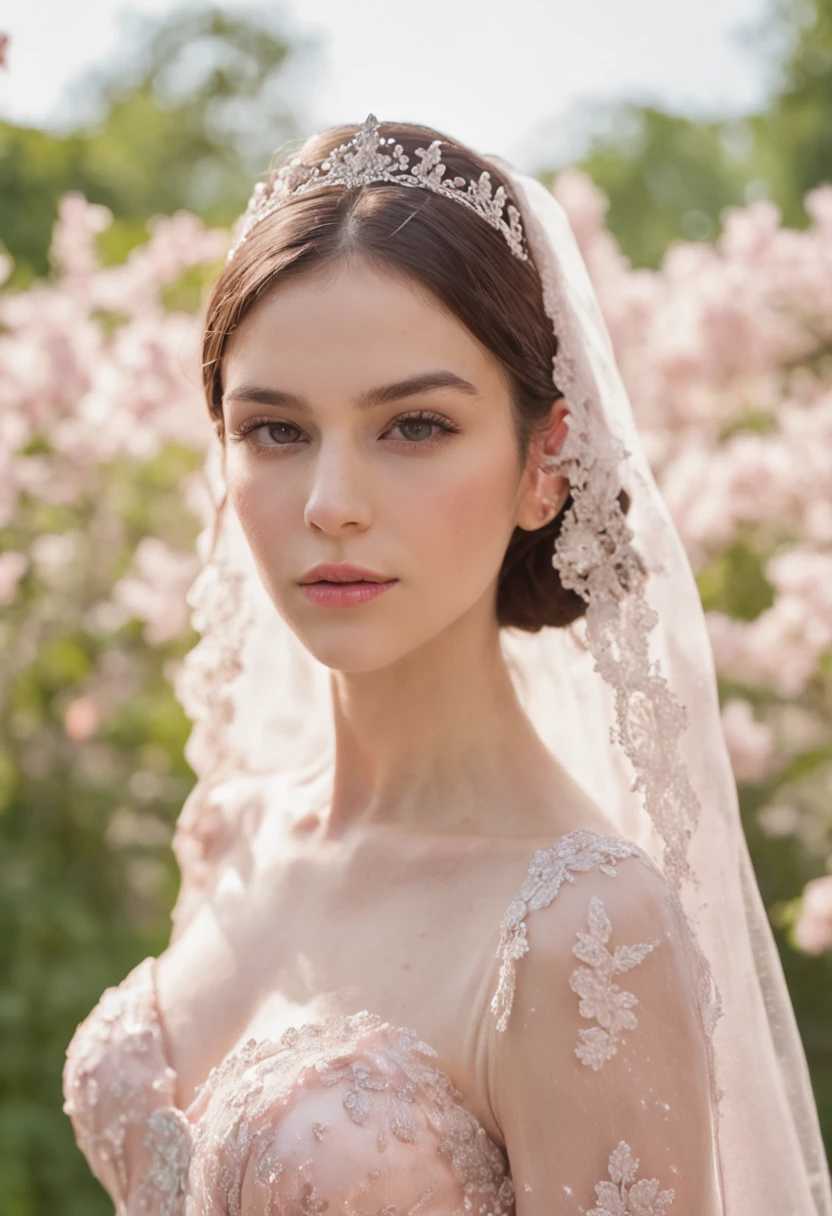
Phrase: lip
(341,572)
(341,585)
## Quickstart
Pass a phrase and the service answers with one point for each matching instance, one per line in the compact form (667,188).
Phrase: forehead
(357,323)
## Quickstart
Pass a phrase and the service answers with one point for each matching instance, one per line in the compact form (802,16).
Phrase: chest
(408,934)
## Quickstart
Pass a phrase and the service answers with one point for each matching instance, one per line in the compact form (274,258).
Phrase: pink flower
(156,592)
(81,719)
(813,931)
(750,743)
(12,568)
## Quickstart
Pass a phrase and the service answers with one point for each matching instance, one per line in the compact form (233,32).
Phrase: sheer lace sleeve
(602,1078)
(119,1093)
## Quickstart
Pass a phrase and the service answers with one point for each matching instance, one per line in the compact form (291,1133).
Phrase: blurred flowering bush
(726,351)
(102,437)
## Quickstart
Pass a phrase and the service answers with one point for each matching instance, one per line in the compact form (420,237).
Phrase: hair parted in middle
(464,263)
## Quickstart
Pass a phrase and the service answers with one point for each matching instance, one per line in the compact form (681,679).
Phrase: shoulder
(602,1033)
(118,1089)
(126,1006)
(583,873)
(116,1054)
(593,908)
(596,879)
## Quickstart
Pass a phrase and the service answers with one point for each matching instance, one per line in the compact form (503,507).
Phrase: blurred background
(692,148)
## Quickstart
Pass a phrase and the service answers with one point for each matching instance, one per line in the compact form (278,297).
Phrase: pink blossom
(74,240)
(818,205)
(813,930)
(720,350)
(12,568)
(777,820)
(53,555)
(156,592)
(81,719)
(781,648)
(749,743)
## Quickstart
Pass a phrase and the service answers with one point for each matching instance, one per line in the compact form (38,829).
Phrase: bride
(467,922)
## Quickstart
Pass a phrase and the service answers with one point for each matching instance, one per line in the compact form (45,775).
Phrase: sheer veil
(625,698)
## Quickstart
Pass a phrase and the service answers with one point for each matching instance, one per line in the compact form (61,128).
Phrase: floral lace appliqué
(269,1116)
(577,851)
(623,1196)
(116,1076)
(387,1083)
(611,1006)
(169,1143)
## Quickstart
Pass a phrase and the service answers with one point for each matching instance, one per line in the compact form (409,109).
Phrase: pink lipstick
(341,585)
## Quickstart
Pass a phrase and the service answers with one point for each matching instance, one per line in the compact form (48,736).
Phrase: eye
(268,434)
(420,426)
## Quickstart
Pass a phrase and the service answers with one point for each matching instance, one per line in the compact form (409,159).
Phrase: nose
(338,498)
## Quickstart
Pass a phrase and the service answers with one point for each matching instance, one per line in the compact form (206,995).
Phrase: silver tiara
(362,160)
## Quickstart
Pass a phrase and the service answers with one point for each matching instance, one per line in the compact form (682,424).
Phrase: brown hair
(462,261)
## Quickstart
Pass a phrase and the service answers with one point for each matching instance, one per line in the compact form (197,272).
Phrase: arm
(601,1078)
(119,1095)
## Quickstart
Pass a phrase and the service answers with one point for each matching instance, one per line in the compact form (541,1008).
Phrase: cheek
(262,503)
(465,521)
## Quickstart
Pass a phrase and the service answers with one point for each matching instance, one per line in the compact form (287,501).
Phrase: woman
(417,859)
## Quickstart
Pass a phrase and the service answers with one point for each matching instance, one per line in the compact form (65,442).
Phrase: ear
(543,492)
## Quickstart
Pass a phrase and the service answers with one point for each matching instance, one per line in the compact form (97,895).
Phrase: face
(365,425)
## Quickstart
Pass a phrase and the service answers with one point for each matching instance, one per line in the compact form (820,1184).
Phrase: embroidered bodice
(352,1115)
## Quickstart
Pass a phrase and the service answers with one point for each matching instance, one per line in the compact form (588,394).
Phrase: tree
(186,121)
(793,137)
(666,177)
(669,178)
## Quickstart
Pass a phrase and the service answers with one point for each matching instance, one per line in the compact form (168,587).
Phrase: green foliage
(87,877)
(187,121)
(793,137)
(669,177)
(734,582)
(35,169)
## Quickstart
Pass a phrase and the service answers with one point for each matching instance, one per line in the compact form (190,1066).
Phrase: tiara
(363,160)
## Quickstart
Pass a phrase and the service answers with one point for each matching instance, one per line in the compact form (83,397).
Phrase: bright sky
(507,78)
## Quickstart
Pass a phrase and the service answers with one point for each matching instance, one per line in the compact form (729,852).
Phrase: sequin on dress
(351,1115)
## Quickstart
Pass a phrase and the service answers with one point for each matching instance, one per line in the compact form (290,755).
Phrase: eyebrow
(425,383)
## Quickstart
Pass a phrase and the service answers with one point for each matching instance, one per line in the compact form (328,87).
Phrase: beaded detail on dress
(349,1114)
(601,999)
(575,852)
(116,1076)
(255,1108)
(624,1196)
(268,1130)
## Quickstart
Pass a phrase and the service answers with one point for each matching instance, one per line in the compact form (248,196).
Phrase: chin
(377,635)
(355,640)
(355,650)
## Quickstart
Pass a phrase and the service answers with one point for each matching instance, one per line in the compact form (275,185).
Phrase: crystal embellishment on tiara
(369,157)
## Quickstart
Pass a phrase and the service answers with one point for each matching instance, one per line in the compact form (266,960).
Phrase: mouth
(343,587)
(330,574)
(345,595)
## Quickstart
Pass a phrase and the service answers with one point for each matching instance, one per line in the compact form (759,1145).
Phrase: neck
(438,742)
